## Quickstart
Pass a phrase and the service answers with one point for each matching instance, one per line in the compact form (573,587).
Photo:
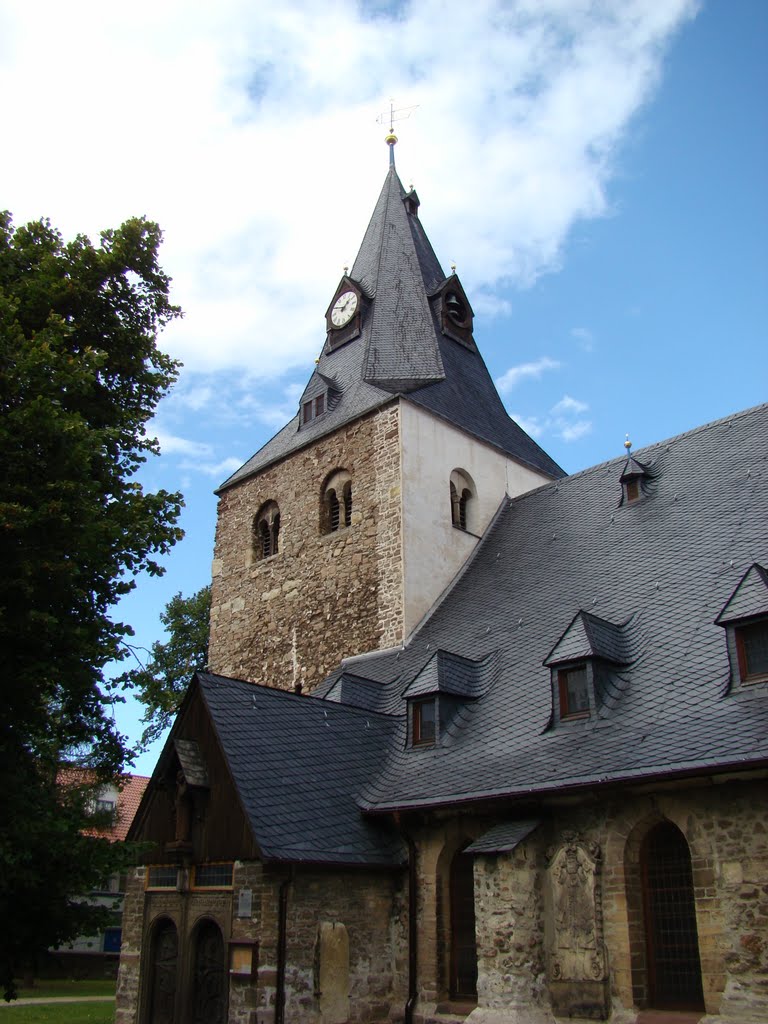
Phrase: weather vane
(401,114)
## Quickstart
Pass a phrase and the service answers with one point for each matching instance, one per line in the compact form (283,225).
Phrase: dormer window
(456,309)
(588,667)
(423,722)
(313,408)
(455,312)
(632,490)
(632,477)
(745,619)
(752,651)
(438,692)
(573,686)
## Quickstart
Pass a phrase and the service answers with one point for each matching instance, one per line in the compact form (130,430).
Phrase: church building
(478,741)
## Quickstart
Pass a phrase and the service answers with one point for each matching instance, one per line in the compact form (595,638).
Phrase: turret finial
(391,138)
(628,445)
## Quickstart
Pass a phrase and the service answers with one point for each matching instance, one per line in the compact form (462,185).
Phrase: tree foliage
(162,682)
(80,376)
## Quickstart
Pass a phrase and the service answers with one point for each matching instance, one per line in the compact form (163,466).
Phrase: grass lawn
(44,989)
(58,1013)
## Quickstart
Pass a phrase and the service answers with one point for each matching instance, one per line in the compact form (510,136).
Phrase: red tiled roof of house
(131,791)
(128,803)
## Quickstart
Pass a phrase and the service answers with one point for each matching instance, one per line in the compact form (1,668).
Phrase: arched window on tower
(266,531)
(462,501)
(336,502)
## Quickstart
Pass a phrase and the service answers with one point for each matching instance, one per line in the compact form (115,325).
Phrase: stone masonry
(292,617)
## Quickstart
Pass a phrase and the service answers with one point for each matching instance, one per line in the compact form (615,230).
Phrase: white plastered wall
(433,549)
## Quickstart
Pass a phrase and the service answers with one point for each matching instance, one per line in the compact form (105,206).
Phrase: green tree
(80,376)
(162,682)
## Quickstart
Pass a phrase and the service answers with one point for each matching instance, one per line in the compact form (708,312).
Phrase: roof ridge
(291,694)
(621,459)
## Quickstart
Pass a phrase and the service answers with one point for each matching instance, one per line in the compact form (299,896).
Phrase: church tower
(338,535)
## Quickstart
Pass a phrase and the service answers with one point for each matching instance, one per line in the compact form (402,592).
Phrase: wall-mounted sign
(245,903)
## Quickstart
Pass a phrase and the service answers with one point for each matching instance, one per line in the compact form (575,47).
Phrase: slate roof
(297,764)
(401,351)
(504,837)
(315,773)
(669,562)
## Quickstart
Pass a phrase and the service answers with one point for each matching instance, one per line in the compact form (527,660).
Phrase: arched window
(336,503)
(462,501)
(672,945)
(463,942)
(266,531)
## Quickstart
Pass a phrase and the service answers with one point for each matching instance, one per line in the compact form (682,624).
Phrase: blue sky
(596,170)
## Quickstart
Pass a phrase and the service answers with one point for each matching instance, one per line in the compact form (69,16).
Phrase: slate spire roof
(397,266)
(401,349)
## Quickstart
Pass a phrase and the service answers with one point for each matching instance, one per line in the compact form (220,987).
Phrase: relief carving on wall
(576,951)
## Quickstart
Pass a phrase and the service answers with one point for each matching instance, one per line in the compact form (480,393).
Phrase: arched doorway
(463,942)
(164,959)
(672,945)
(209,983)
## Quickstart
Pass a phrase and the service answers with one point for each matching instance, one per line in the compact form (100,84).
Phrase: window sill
(468,533)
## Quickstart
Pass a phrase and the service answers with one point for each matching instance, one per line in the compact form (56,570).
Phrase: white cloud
(584,337)
(512,377)
(564,420)
(248,131)
(532,425)
(568,405)
(172,445)
(219,471)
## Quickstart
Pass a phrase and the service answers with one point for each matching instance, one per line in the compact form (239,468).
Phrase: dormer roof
(633,469)
(749,599)
(451,674)
(588,636)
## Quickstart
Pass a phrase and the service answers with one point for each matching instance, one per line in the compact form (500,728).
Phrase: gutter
(413,932)
(282,930)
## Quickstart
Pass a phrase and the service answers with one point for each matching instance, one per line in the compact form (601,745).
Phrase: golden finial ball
(391,139)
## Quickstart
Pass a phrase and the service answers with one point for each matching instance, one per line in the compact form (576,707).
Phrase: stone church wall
(530,956)
(291,617)
(346,943)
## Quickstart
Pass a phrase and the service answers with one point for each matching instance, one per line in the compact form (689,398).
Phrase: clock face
(344,308)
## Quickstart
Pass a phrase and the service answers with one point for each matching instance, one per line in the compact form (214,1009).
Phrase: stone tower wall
(292,617)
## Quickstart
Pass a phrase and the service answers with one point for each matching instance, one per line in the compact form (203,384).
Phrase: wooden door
(672,944)
(163,973)
(210,976)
